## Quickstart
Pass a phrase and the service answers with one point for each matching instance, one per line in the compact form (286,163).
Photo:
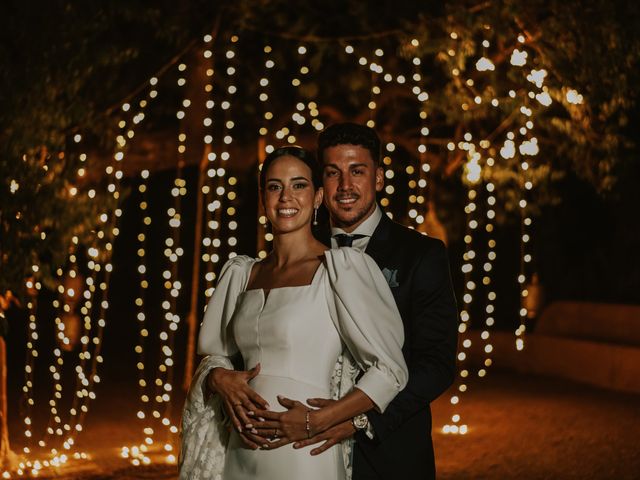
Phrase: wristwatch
(360,422)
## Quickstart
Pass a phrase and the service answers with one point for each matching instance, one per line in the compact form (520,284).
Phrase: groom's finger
(266,414)
(309,441)
(264,425)
(319,402)
(287,402)
(324,447)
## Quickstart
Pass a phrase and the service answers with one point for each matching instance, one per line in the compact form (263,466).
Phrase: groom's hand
(281,427)
(331,436)
(238,398)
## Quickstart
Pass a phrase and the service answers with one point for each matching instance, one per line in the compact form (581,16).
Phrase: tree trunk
(192,318)
(7,457)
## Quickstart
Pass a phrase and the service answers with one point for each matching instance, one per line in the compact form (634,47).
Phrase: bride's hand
(295,424)
(237,396)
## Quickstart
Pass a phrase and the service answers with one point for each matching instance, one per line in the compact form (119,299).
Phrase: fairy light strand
(489,321)
(226,188)
(419,186)
(264,147)
(471,177)
(29,369)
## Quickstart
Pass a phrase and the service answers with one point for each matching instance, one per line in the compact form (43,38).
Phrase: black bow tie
(345,240)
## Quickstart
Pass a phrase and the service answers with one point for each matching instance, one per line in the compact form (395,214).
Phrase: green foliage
(591,48)
(69,63)
(64,63)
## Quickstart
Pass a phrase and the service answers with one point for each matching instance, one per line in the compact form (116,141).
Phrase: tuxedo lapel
(379,245)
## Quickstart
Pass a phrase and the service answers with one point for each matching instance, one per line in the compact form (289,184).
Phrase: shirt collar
(365,228)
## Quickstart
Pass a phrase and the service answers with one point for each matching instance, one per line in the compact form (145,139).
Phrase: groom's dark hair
(348,133)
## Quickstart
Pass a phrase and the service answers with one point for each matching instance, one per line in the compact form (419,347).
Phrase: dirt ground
(539,428)
(520,427)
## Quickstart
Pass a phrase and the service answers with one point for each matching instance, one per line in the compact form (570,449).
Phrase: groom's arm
(433,328)
(431,353)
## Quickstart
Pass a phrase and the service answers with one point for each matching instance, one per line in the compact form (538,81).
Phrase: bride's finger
(256,438)
(256,399)
(248,442)
(272,444)
(266,425)
(232,415)
(253,373)
(241,413)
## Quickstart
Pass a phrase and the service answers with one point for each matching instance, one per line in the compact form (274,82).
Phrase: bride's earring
(315,216)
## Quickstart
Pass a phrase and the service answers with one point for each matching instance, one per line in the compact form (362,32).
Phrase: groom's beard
(345,216)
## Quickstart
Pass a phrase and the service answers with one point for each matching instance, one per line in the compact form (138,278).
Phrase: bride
(305,321)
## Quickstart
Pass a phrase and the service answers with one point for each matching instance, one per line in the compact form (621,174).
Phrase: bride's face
(289,196)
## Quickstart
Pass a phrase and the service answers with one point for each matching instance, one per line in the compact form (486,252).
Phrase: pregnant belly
(284,463)
(270,386)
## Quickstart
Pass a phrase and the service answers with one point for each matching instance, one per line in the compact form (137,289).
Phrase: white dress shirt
(366,228)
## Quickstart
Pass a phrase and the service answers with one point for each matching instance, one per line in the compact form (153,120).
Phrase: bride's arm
(217,341)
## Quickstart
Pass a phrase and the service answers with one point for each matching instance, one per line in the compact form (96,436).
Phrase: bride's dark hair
(305,156)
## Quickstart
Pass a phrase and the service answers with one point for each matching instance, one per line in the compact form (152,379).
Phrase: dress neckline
(267,291)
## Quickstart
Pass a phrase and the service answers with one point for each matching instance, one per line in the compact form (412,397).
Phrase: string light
(143,332)
(375,90)
(29,369)
(69,296)
(389,189)
(471,179)
(55,369)
(419,186)
(173,252)
(122,141)
(85,383)
(264,147)
(489,320)
(211,241)
(228,215)
(527,147)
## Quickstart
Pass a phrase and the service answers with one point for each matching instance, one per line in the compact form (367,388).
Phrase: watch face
(360,421)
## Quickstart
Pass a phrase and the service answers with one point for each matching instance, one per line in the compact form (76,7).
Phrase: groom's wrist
(320,420)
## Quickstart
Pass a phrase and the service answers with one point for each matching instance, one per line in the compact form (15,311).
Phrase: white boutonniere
(391,276)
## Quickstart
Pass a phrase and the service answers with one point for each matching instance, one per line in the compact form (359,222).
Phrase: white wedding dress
(297,334)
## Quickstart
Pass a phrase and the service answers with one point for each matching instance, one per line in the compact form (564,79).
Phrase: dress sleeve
(367,318)
(216,336)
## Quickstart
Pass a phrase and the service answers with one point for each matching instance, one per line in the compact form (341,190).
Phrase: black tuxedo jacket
(417,269)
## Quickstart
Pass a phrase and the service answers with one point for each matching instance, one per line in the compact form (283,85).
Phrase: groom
(397,443)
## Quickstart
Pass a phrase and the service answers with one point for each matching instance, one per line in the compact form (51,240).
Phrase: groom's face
(351,179)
